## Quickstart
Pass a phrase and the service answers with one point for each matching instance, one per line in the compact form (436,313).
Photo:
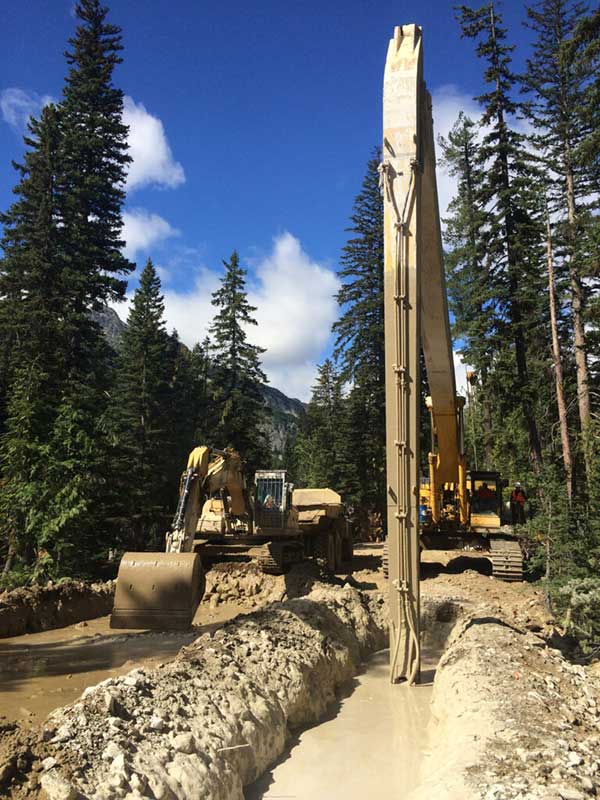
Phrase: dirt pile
(213,719)
(243,584)
(515,719)
(55,605)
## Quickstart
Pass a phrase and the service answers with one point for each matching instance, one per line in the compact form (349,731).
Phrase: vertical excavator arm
(416,314)
(209,472)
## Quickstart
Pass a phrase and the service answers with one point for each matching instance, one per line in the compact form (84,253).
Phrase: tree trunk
(9,560)
(558,370)
(583,390)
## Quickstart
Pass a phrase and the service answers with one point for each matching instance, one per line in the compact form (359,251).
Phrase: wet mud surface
(42,671)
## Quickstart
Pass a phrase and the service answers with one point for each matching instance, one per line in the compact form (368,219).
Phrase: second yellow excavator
(216,515)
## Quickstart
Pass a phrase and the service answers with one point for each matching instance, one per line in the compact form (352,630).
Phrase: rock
(57,787)
(569,793)
(118,763)
(184,743)
(109,703)
(111,751)
(156,723)
(138,782)
(63,734)
(48,763)
(574,759)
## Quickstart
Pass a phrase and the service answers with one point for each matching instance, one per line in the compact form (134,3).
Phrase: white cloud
(17,106)
(143,229)
(294,298)
(191,313)
(296,306)
(153,162)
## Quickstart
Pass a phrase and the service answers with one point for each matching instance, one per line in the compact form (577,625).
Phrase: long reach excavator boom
(416,315)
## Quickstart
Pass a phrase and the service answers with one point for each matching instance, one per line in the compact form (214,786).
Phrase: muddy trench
(136,735)
(282,690)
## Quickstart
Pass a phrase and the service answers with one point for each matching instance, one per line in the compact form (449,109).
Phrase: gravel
(212,720)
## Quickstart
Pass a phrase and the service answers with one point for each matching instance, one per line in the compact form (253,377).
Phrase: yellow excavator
(163,590)
(216,516)
(461,508)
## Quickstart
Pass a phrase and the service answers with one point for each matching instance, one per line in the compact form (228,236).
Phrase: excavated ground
(510,716)
(41,608)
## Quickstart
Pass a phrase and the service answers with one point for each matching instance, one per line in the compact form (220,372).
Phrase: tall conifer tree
(82,224)
(360,347)
(556,82)
(143,413)
(514,236)
(33,339)
(237,371)
(317,445)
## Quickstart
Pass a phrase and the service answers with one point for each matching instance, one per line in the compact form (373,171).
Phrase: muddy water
(42,671)
(372,745)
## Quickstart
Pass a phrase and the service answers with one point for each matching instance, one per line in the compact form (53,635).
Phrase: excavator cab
(485,491)
(272,500)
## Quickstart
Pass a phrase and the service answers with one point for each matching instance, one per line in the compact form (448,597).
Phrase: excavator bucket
(157,590)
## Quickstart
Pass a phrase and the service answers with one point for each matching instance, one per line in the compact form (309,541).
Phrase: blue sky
(251,126)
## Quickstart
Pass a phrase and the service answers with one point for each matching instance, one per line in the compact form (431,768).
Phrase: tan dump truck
(325,527)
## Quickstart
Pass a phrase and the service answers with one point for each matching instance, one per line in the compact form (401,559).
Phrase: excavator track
(507,559)
(275,558)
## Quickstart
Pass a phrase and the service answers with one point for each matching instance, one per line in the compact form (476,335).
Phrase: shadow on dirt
(455,566)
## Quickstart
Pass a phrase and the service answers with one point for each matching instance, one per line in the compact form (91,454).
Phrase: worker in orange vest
(517,504)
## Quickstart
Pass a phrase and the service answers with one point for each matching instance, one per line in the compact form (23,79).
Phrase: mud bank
(212,720)
(55,605)
(512,718)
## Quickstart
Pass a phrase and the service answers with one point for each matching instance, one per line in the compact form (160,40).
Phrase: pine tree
(514,235)
(94,161)
(30,288)
(63,259)
(556,83)
(317,446)
(584,48)
(205,419)
(237,373)
(32,338)
(469,288)
(360,347)
(187,405)
(142,411)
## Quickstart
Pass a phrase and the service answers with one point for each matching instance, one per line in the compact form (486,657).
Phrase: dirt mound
(514,719)
(249,588)
(213,719)
(55,605)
